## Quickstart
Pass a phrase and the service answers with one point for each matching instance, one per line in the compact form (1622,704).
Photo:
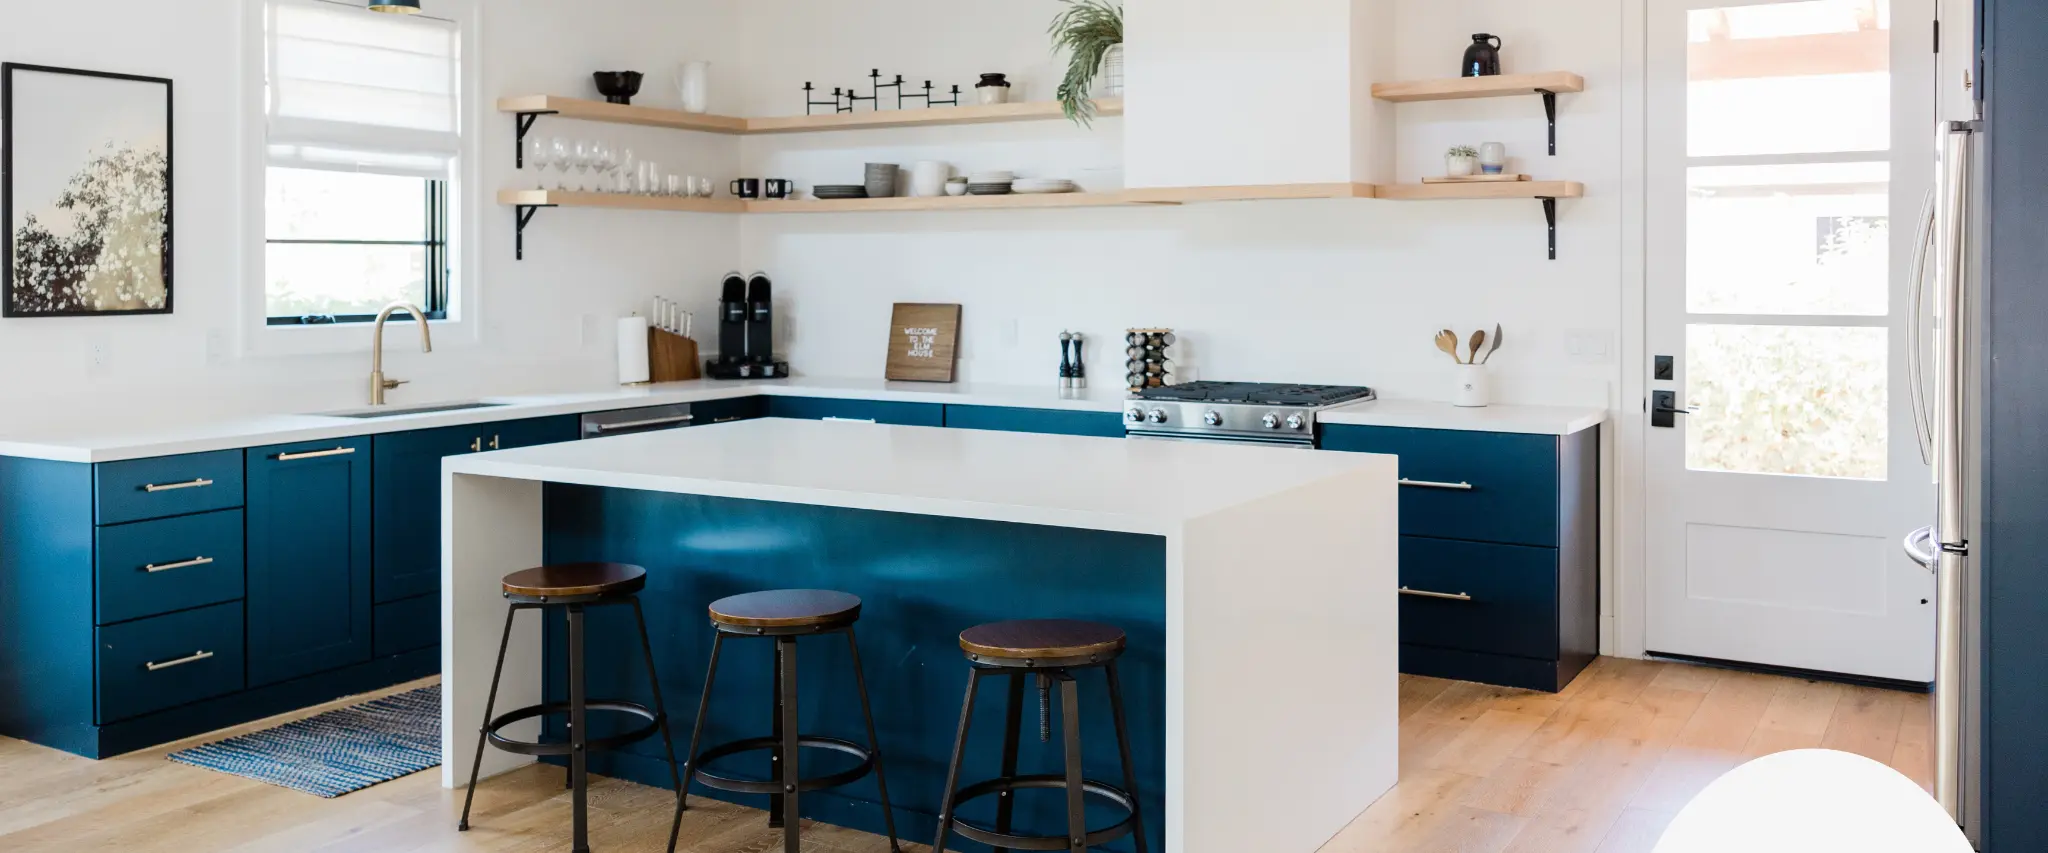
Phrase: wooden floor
(1599,768)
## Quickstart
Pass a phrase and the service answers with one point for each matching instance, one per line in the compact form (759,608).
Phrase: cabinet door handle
(153,568)
(1425,484)
(476,445)
(853,420)
(171,487)
(1448,596)
(315,454)
(494,442)
(650,422)
(194,657)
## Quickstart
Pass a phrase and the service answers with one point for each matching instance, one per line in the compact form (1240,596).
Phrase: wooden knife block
(671,357)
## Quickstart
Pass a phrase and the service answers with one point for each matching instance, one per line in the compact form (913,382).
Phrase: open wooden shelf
(619,201)
(1482,190)
(587,110)
(1019,201)
(1498,86)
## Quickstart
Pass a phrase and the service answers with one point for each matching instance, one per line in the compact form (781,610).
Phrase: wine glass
(629,167)
(602,162)
(561,157)
(540,155)
(585,160)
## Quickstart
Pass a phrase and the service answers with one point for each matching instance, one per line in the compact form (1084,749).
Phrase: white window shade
(350,89)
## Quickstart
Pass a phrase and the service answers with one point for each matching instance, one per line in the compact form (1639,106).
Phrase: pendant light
(400,7)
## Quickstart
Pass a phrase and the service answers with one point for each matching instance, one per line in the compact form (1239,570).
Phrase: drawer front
(153,664)
(403,626)
(151,567)
(725,411)
(168,485)
(814,408)
(1512,590)
(1050,421)
(526,433)
(1484,486)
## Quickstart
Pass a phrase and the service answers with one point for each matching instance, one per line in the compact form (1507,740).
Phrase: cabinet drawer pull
(194,657)
(1448,596)
(494,442)
(1425,484)
(315,454)
(650,422)
(172,487)
(153,568)
(476,445)
(853,420)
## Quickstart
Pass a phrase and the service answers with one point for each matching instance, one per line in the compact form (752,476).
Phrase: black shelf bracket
(523,214)
(524,122)
(1550,112)
(1550,218)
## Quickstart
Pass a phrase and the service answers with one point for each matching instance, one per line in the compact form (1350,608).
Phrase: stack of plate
(833,191)
(988,189)
(1043,185)
(993,182)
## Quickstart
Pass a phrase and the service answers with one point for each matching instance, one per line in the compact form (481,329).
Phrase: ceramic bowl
(617,87)
(956,188)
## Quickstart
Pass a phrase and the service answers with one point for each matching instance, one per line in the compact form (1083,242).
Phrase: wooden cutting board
(924,342)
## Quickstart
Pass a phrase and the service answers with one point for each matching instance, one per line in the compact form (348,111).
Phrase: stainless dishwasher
(629,421)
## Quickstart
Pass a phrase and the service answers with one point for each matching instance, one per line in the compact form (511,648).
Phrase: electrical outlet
(99,358)
(216,347)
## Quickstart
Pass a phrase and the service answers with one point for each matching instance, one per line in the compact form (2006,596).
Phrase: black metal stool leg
(697,729)
(661,714)
(579,779)
(1070,722)
(568,770)
(775,732)
(1013,723)
(860,682)
(792,825)
(490,705)
(953,769)
(1123,747)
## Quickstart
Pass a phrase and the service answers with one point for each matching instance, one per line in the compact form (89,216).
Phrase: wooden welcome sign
(924,342)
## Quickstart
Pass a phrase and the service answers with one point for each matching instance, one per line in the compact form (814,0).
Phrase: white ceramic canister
(1473,388)
(1493,158)
(928,178)
(693,82)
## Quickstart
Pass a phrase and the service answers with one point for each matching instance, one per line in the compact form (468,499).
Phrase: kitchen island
(1257,587)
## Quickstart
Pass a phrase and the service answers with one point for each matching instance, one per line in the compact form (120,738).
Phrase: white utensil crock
(1473,388)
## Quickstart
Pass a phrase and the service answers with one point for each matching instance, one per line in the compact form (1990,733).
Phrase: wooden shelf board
(587,110)
(1020,201)
(1458,88)
(1500,190)
(1259,192)
(578,108)
(621,201)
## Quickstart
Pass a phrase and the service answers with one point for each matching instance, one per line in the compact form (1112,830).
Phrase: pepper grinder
(1066,362)
(1080,371)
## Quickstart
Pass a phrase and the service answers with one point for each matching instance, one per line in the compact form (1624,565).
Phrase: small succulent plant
(1462,151)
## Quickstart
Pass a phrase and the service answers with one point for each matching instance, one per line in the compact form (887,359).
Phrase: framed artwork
(85,192)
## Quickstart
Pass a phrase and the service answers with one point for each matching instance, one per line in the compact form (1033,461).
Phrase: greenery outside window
(342,245)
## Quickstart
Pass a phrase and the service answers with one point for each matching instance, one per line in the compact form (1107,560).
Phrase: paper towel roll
(633,350)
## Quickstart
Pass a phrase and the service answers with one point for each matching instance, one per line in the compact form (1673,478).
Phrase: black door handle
(1664,404)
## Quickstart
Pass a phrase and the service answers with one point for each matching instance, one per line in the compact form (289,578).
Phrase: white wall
(546,322)
(1330,291)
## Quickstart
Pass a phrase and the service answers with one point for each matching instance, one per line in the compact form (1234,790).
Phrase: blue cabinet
(309,591)
(1050,421)
(150,567)
(818,408)
(167,485)
(1500,562)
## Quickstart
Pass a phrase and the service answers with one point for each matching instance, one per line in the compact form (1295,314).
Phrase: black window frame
(438,274)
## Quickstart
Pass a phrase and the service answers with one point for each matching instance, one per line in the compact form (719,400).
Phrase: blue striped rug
(347,749)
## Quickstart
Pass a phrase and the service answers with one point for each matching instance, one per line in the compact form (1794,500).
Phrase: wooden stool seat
(1043,639)
(576,579)
(787,608)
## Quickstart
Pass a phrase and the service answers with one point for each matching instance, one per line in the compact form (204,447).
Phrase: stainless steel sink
(400,411)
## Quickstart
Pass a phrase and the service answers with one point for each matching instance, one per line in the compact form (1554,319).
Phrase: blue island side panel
(922,579)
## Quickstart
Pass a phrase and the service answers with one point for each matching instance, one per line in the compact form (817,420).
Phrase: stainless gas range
(1253,412)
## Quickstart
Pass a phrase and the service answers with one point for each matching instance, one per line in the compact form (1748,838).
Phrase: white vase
(1472,388)
(693,82)
(1113,72)
(1460,167)
(1493,158)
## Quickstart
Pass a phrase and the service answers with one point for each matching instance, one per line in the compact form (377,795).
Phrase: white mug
(1473,388)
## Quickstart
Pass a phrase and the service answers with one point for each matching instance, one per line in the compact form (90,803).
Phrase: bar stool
(786,615)
(572,588)
(1050,649)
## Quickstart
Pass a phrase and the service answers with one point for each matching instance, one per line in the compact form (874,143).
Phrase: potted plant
(1092,32)
(1461,161)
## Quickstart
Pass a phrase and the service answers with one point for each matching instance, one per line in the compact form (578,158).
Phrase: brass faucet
(378,384)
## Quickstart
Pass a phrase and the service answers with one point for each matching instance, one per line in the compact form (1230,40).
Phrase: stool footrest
(755,744)
(1006,784)
(609,742)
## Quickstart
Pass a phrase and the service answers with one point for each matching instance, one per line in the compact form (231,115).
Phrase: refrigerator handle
(1916,334)
(1920,546)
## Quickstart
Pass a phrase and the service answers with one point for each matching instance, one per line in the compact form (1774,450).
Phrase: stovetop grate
(1257,394)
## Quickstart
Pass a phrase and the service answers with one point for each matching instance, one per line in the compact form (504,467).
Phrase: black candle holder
(810,101)
(846,98)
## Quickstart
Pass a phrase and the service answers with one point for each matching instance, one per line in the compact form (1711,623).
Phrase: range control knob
(1296,422)
(1157,416)
(1213,418)
(1272,421)
(1136,416)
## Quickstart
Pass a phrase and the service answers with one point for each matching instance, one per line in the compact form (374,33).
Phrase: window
(363,132)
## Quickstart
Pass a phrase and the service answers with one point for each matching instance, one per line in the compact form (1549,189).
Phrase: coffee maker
(746,331)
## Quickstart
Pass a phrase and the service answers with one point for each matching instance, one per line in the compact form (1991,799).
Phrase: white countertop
(1065,481)
(112,440)
(1416,414)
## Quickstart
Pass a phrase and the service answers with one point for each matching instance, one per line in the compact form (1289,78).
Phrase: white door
(1789,161)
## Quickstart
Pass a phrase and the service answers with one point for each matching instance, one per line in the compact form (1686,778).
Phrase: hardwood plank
(1805,707)
(1564,736)
(1418,691)
(1571,831)
(1487,742)
(1866,722)
(1497,86)
(1684,676)
(1517,787)
(1729,714)
(1636,832)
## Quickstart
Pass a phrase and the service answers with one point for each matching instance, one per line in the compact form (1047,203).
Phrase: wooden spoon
(1496,345)
(1478,340)
(1448,343)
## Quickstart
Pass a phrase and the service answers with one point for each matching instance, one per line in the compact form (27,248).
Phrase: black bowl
(617,87)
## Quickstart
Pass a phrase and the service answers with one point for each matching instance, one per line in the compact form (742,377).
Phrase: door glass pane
(1790,239)
(1789,78)
(1799,400)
